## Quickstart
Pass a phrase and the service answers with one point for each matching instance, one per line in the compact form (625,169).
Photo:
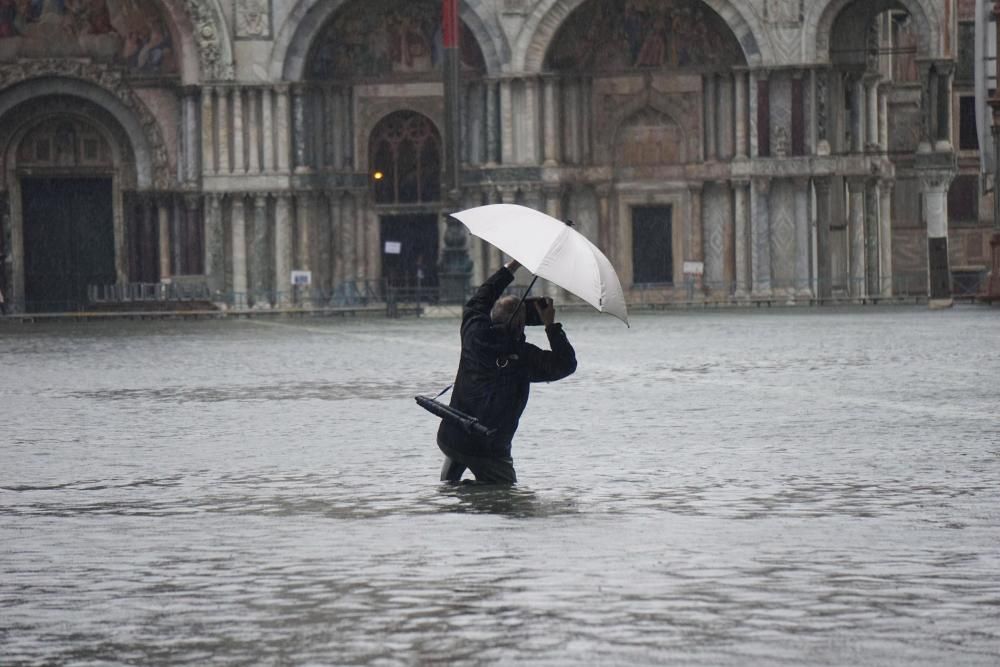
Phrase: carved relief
(214,63)
(783,11)
(112,80)
(253,19)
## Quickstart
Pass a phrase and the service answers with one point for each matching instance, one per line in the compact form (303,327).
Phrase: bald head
(504,308)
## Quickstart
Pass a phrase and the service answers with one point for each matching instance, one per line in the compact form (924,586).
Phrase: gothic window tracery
(406,159)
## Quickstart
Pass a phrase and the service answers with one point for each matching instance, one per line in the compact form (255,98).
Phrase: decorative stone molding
(213,51)
(108,79)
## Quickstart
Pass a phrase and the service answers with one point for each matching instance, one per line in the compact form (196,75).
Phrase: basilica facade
(716,150)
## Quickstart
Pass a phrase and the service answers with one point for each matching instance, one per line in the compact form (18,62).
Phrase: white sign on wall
(393,247)
(302,278)
(694,268)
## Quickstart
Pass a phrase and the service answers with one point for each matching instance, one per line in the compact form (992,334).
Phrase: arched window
(406,159)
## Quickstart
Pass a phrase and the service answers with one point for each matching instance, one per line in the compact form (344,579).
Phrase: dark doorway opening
(409,251)
(69,240)
(652,244)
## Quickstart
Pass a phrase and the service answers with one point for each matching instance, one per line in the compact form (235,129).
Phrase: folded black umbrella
(468,423)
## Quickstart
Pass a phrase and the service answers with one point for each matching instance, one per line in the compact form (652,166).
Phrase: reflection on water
(800,488)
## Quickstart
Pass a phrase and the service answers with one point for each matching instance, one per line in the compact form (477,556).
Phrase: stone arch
(205,26)
(544,23)
(308,18)
(821,18)
(138,124)
(378,111)
(22,119)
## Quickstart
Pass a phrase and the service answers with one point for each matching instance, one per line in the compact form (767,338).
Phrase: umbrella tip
(569,223)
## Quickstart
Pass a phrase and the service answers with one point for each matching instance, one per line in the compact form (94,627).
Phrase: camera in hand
(532,318)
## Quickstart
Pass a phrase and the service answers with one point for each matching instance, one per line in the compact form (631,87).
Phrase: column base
(940,304)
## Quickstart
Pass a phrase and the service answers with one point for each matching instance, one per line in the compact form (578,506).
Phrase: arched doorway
(405,158)
(647,96)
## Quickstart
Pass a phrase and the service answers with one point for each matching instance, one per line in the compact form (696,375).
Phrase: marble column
(824,267)
(506,122)
(763,113)
(740,112)
(214,261)
(324,241)
(281,123)
(603,192)
(259,254)
(553,201)
(823,111)
(760,237)
(372,233)
(492,122)
(856,236)
(283,249)
(360,238)
(303,231)
(254,131)
(946,73)
(872,100)
(741,236)
(710,134)
(163,228)
(858,111)
(208,165)
(803,242)
(872,228)
(239,153)
(883,117)
(529,151)
(192,235)
(934,186)
(928,103)
(225,133)
(238,226)
(885,237)
(348,226)
(551,131)
(267,130)
(696,231)
(189,115)
(300,139)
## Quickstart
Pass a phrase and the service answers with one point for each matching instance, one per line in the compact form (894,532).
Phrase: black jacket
(495,372)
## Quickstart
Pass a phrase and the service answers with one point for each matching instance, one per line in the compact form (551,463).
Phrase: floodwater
(800,487)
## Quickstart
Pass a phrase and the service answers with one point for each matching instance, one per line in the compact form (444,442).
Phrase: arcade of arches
(715,151)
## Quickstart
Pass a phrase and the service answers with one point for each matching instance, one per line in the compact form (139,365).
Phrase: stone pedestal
(456,267)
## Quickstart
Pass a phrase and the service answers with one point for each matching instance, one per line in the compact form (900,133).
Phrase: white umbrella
(550,249)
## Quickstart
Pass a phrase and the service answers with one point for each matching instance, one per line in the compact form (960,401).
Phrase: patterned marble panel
(782,235)
(716,215)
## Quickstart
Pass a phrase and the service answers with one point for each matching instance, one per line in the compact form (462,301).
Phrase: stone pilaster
(239,152)
(267,130)
(208,165)
(283,147)
(824,268)
(695,250)
(283,249)
(254,131)
(225,131)
(872,108)
(741,236)
(506,122)
(213,260)
(710,134)
(945,75)
(163,228)
(300,138)
(303,231)
(885,237)
(856,236)
(803,244)
(238,226)
(760,237)
(492,122)
(740,112)
(259,279)
(551,130)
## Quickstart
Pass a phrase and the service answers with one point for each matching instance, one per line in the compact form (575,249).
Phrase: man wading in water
(494,376)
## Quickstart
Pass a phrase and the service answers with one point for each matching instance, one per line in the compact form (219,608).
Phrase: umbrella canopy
(550,249)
